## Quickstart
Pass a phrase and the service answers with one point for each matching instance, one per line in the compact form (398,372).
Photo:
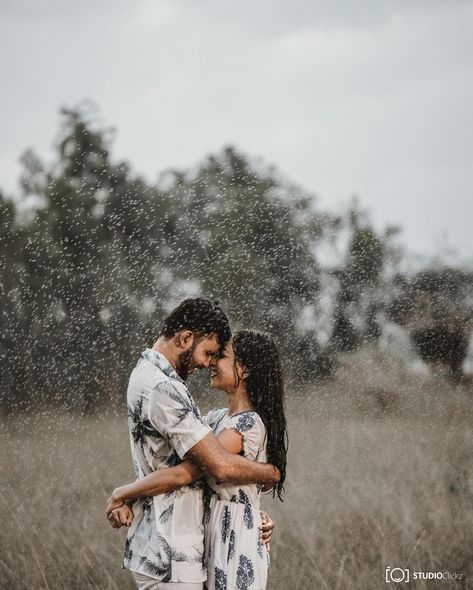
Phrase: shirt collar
(158,359)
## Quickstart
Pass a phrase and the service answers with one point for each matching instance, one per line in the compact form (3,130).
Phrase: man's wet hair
(201,316)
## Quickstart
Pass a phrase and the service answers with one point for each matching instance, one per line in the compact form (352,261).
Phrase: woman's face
(224,371)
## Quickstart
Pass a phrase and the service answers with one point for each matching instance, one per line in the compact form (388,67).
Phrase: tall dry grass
(380,474)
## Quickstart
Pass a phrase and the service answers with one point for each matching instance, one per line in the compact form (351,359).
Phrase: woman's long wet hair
(258,354)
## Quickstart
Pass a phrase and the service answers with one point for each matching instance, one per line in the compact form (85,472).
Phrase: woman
(249,371)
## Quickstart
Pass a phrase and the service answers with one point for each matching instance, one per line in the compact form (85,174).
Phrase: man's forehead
(211,341)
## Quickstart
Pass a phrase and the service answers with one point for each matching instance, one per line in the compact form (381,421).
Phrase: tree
(247,240)
(362,282)
(101,255)
(91,248)
(13,322)
(436,306)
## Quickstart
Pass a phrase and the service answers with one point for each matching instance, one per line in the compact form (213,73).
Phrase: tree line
(92,256)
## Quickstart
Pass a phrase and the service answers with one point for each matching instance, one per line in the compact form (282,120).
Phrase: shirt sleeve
(174,414)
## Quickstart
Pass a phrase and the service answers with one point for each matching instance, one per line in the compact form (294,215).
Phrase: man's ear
(184,339)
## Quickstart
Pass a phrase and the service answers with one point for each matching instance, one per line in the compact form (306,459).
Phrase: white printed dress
(236,558)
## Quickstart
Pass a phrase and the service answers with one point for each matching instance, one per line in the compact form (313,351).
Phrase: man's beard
(185,363)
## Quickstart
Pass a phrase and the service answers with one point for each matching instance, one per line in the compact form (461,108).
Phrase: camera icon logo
(397,574)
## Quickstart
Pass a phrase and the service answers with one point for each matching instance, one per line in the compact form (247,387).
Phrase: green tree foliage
(436,307)
(362,282)
(95,256)
(90,269)
(247,241)
(80,270)
(14,325)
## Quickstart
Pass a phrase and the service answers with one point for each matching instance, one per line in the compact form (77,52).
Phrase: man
(164,547)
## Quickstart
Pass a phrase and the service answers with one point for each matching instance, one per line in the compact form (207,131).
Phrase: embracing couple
(194,512)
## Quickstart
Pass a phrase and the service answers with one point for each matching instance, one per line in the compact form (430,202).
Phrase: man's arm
(166,480)
(214,460)
(171,412)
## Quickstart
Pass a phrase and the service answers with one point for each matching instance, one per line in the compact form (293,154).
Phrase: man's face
(201,352)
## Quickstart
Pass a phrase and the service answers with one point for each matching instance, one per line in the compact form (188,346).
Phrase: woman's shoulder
(245,421)
(252,430)
(215,417)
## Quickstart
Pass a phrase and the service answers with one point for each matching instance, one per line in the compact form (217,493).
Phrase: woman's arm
(161,481)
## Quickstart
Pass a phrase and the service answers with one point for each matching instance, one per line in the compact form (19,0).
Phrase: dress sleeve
(174,414)
(214,418)
(252,429)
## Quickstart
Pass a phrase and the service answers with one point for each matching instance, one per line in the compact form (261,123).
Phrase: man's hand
(122,516)
(113,502)
(267,526)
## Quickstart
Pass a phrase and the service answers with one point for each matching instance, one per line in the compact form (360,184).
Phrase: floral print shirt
(166,539)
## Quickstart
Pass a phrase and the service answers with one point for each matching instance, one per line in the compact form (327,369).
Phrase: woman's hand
(122,516)
(267,526)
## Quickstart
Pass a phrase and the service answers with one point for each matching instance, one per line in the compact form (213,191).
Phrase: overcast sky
(366,97)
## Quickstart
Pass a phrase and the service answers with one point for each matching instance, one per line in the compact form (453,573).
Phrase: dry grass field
(380,474)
